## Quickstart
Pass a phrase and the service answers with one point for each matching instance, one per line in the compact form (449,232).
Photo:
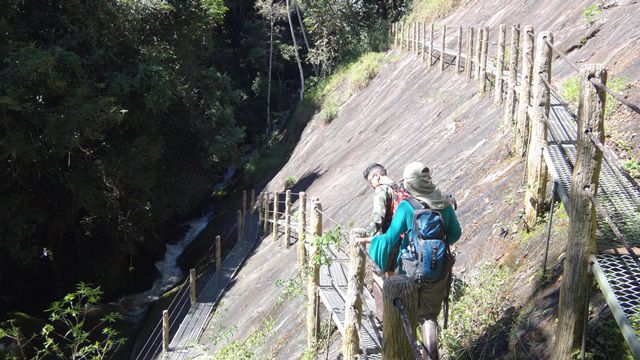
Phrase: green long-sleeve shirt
(381,245)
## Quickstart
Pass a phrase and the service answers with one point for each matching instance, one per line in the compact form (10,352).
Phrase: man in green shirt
(417,180)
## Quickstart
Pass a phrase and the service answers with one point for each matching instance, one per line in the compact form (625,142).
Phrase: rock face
(408,113)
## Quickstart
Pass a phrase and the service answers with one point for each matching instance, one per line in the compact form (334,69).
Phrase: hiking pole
(554,188)
(446,300)
(407,328)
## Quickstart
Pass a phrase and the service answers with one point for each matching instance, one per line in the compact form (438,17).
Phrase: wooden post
(476,56)
(192,286)
(287,218)
(276,196)
(431,46)
(522,127)
(218,253)
(581,243)
(302,229)
(416,36)
(266,213)
(395,344)
(259,209)
(498,98)
(468,66)
(510,105)
(404,36)
(424,41)
(253,201)
(353,302)
(444,40)
(313,321)
(483,59)
(244,202)
(240,225)
(410,37)
(165,331)
(536,168)
(459,50)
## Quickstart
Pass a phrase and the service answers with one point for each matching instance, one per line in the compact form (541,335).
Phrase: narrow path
(183,344)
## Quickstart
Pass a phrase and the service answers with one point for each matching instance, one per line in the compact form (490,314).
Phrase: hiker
(417,180)
(376,176)
(385,192)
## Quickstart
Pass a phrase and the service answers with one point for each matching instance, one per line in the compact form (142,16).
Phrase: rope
(597,83)
(407,328)
(562,55)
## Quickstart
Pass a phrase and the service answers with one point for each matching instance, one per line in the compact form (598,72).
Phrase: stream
(133,307)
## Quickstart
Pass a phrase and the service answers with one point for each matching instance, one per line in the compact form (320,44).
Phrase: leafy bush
(632,167)
(291,288)
(68,335)
(289,182)
(242,349)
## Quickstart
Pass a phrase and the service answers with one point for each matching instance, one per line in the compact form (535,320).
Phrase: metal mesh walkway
(333,290)
(617,274)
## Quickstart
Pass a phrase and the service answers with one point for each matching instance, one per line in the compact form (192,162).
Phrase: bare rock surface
(409,113)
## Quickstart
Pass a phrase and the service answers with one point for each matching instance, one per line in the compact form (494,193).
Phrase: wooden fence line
(527,111)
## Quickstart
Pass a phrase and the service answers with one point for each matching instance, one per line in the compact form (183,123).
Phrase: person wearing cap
(417,180)
(376,176)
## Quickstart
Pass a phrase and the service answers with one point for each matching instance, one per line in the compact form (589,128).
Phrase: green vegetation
(332,92)
(590,12)
(69,334)
(291,288)
(475,311)
(570,91)
(431,10)
(326,97)
(289,182)
(242,349)
(322,243)
(606,343)
(617,84)
(632,167)
(326,328)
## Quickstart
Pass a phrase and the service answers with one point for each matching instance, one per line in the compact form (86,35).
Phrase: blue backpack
(425,259)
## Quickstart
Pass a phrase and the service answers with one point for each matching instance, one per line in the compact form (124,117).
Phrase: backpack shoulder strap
(417,204)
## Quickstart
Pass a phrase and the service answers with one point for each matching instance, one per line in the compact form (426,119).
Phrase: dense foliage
(117,116)
(113,122)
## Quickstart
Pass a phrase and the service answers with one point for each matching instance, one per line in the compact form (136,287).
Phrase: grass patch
(475,312)
(326,96)
(632,167)
(590,12)
(332,92)
(570,91)
(289,182)
(265,161)
(430,10)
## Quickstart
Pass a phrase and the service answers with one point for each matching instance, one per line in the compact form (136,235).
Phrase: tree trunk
(295,48)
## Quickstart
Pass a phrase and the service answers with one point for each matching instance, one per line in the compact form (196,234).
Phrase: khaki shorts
(430,298)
